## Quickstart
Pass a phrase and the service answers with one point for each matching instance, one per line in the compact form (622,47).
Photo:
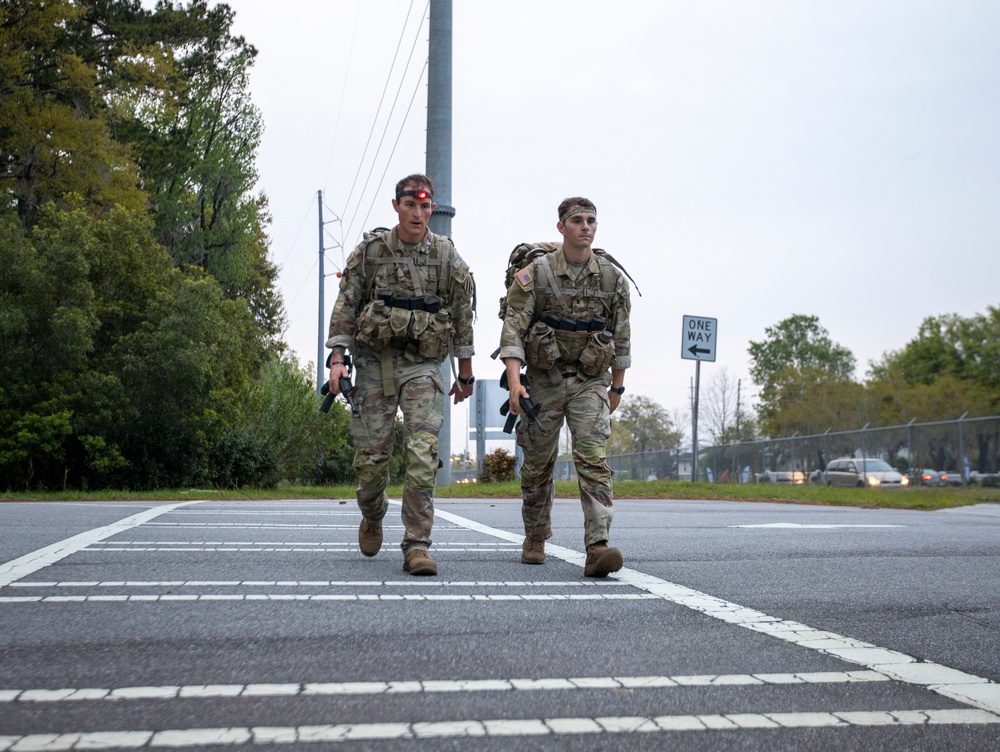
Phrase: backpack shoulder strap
(372,239)
(602,254)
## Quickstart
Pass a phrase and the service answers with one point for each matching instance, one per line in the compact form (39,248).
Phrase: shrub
(242,459)
(497,466)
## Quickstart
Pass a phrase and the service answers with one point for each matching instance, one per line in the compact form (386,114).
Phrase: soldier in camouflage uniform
(405,304)
(567,318)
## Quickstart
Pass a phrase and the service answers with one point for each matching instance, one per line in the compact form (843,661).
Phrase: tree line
(140,324)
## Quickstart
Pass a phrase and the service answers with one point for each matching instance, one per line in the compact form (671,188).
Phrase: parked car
(867,472)
(952,478)
(816,476)
(926,477)
(796,478)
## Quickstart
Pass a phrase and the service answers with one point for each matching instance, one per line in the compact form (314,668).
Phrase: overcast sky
(749,161)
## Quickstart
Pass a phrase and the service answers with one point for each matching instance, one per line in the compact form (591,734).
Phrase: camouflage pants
(419,393)
(583,404)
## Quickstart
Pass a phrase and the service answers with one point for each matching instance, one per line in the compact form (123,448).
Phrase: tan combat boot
(602,561)
(418,562)
(532,552)
(370,537)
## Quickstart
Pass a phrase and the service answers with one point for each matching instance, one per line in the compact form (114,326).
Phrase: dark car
(952,478)
(926,477)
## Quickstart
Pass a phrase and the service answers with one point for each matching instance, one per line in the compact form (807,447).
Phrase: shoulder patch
(523,277)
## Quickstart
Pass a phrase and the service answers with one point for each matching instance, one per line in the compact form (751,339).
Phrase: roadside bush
(243,459)
(497,466)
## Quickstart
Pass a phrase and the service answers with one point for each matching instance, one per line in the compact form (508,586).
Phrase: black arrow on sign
(694,350)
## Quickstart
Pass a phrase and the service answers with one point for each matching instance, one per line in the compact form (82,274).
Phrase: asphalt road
(213,625)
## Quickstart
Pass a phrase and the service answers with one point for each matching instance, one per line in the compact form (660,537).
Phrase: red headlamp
(419,195)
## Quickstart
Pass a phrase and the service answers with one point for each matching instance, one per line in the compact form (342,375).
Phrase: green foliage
(641,425)
(282,410)
(130,341)
(118,369)
(55,135)
(498,466)
(962,349)
(797,354)
(243,459)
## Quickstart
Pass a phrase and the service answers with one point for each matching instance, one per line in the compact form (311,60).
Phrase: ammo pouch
(541,349)
(432,332)
(571,345)
(597,354)
(374,329)
(381,325)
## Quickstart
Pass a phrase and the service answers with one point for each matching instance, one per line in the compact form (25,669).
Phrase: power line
(385,130)
(385,88)
(394,145)
(343,91)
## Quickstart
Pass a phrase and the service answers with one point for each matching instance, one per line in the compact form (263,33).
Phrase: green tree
(797,355)
(282,410)
(55,133)
(967,349)
(641,425)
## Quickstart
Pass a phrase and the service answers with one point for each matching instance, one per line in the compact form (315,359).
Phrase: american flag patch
(524,277)
(349,259)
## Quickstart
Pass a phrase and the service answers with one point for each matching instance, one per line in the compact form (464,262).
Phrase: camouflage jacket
(381,263)
(581,298)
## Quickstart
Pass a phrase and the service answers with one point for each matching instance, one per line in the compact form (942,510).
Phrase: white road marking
(368,732)
(310,689)
(418,583)
(230,549)
(205,597)
(797,526)
(437,546)
(958,685)
(43,557)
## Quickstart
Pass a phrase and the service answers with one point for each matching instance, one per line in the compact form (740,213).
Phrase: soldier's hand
(516,392)
(614,399)
(460,391)
(337,371)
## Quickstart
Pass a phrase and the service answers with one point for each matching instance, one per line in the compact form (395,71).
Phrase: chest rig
(569,333)
(406,296)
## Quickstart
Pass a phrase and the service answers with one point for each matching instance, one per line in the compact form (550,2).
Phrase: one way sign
(698,338)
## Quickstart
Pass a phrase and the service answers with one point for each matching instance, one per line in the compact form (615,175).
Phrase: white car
(866,472)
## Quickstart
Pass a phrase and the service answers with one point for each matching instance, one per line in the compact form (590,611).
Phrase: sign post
(698,337)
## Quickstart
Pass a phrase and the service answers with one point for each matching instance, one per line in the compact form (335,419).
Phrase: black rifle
(528,408)
(344,383)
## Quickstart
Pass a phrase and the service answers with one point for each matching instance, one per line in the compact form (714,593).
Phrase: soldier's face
(414,214)
(579,230)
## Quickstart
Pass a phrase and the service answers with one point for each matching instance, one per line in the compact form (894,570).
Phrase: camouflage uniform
(550,286)
(405,372)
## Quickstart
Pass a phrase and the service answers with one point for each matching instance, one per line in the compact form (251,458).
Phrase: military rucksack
(524,253)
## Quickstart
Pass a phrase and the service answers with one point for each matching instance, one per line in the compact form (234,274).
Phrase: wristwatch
(467,381)
(617,390)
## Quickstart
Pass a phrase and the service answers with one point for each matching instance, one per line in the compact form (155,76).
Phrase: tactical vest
(569,329)
(406,298)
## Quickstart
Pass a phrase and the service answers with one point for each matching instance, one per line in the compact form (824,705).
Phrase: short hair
(569,203)
(416,181)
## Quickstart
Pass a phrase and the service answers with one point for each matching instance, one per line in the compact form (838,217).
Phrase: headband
(577,210)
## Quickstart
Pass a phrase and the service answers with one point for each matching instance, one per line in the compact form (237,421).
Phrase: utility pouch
(436,334)
(399,322)
(373,328)
(597,355)
(571,345)
(541,349)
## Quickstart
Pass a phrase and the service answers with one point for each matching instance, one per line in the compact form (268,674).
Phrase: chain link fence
(969,447)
